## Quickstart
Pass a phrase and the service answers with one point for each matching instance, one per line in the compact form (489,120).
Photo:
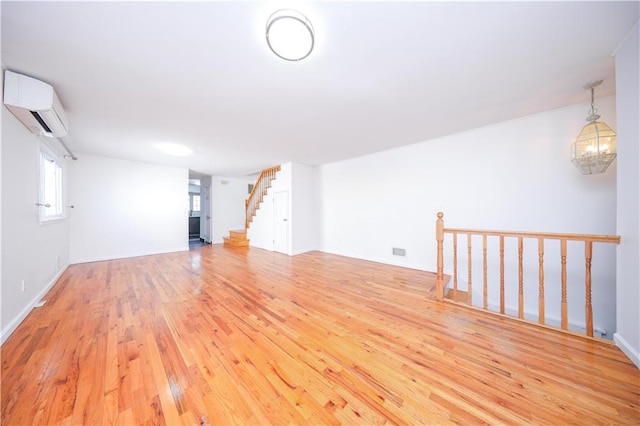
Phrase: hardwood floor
(225,336)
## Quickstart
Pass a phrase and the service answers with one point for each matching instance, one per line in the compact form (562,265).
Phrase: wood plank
(226,336)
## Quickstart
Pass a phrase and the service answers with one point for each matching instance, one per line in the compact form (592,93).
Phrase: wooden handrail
(546,235)
(588,240)
(263,183)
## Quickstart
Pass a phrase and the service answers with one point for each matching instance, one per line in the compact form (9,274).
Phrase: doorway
(205,210)
(195,203)
(199,210)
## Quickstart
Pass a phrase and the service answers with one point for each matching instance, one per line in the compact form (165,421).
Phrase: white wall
(628,267)
(229,195)
(305,217)
(126,208)
(35,253)
(515,175)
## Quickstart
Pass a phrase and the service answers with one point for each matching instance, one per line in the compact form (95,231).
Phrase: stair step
(236,242)
(239,234)
(460,296)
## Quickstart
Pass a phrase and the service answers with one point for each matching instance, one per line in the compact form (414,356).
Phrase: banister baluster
(439,260)
(520,281)
(262,182)
(469,286)
(563,261)
(484,271)
(587,287)
(541,318)
(502,274)
(455,266)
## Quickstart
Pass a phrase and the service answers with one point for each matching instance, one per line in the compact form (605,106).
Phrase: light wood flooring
(230,336)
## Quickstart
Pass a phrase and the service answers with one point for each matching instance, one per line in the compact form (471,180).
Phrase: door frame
(285,249)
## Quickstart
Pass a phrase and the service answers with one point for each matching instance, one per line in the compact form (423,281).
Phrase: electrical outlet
(23,284)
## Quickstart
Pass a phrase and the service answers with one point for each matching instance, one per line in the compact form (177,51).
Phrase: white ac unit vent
(35,104)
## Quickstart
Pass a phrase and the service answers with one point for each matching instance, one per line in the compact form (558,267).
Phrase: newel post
(440,240)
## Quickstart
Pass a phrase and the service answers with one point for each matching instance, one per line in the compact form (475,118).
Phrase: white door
(281,222)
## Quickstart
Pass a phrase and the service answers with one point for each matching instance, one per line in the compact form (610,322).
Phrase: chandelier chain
(594,110)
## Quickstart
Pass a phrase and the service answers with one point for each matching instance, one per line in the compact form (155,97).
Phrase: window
(195,202)
(51,200)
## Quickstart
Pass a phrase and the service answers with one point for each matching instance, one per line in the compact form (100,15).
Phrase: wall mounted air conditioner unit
(36,104)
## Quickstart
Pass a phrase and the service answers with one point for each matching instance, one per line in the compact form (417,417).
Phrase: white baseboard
(14,323)
(115,256)
(385,261)
(628,350)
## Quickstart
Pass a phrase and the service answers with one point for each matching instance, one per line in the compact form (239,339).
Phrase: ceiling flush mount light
(595,147)
(174,149)
(290,35)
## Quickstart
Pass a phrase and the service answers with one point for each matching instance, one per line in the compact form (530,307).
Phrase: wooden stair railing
(263,183)
(588,240)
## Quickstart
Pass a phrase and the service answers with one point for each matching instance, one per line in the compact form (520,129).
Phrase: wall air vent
(41,121)
(399,251)
(35,104)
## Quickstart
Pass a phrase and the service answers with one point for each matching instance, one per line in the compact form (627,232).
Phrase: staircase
(252,204)
(237,239)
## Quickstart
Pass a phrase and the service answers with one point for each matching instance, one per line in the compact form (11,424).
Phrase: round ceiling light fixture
(290,35)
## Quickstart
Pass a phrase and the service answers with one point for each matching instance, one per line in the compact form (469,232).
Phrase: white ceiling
(383,74)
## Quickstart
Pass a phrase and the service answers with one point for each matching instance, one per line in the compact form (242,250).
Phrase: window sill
(53,220)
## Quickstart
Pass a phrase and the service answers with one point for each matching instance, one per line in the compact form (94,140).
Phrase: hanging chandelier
(595,147)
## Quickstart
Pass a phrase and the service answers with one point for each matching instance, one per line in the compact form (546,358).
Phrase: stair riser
(236,243)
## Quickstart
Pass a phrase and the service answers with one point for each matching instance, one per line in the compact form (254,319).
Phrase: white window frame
(51,192)
(192,196)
